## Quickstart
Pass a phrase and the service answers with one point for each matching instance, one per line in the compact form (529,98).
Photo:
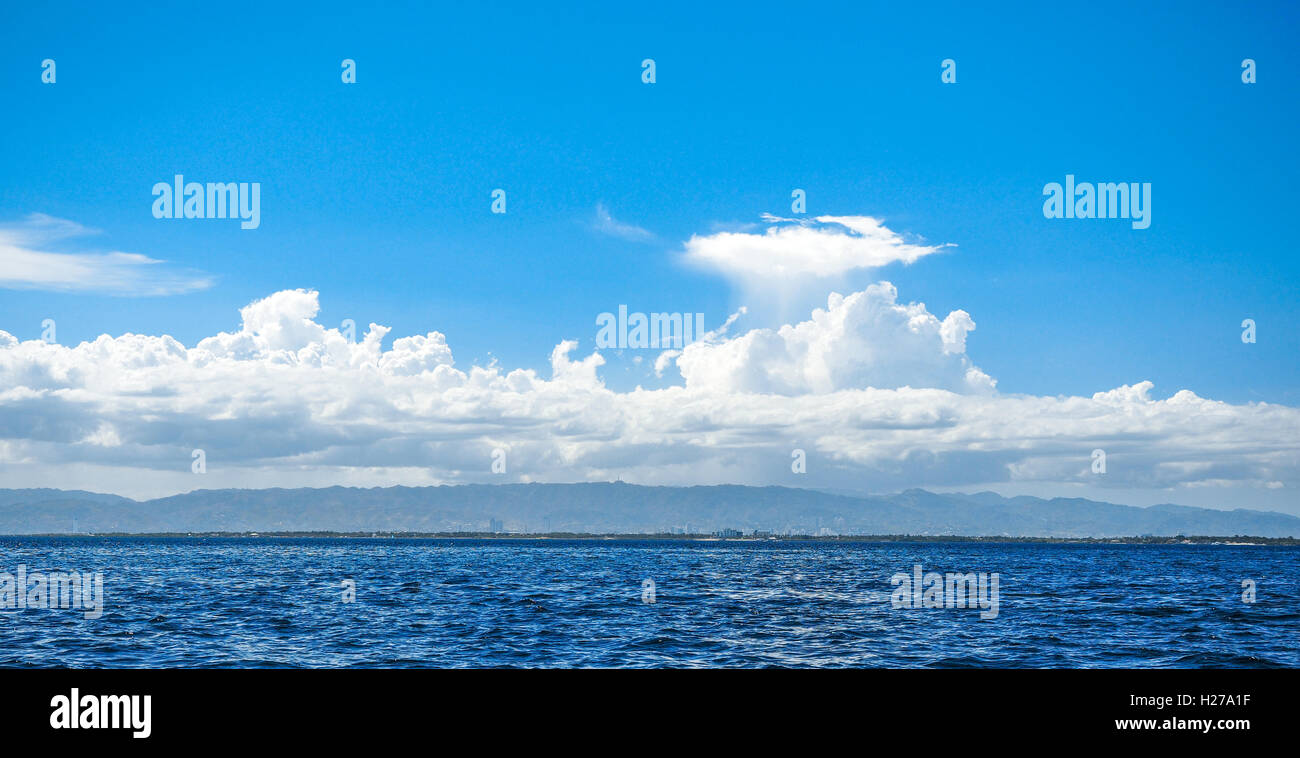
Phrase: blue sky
(377,194)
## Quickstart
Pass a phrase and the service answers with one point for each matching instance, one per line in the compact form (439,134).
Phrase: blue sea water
(270,602)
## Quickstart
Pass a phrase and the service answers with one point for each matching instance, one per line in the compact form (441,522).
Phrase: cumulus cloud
(880,394)
(824,246)
(27,263)
(867,339)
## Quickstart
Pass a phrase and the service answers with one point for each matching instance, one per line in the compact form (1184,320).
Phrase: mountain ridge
(618,508)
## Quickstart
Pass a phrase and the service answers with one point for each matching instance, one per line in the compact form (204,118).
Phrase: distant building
(496,526)
(728,533)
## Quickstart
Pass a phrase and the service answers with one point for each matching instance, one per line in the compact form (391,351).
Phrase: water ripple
(233,603)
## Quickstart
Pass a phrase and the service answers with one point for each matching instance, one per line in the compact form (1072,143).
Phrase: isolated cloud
(607,224)
(26,264)
(824,246)
(879,394)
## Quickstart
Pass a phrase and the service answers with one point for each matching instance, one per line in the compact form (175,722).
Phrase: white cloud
(24,264)
(866,339)
(825,246)
(880,394)
(607,224)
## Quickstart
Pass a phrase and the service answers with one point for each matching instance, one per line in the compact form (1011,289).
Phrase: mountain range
(618,508)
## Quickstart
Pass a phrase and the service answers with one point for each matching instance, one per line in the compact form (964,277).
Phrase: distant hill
(619,508)
(8,497)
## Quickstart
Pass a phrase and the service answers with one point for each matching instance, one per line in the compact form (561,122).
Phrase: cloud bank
(880,394)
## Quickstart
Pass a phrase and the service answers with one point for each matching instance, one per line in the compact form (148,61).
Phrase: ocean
(402,603)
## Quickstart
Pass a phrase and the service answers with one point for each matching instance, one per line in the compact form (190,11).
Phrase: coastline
(1224,541)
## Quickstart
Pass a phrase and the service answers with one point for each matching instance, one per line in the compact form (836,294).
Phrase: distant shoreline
(602,510)
(1236,540)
